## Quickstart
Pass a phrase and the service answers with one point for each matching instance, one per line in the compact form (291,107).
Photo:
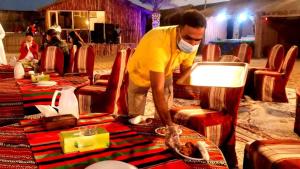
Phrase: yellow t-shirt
(157,51)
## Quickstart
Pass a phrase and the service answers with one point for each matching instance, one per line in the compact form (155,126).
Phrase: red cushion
(84,61)
(213,124)
(279,154)
(91,89)
(211,52)
(52,60)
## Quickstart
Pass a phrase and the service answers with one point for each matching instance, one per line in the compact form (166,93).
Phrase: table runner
(15,151)
(6,71)
(11,104)
(128,145)
(216,161)
(41,95)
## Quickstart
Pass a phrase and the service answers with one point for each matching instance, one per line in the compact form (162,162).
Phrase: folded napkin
(202,147)
(136,120)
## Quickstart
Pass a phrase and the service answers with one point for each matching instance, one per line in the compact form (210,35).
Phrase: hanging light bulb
(155,19)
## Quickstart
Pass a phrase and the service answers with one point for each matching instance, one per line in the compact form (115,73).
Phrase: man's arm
(157,80)
(184,69)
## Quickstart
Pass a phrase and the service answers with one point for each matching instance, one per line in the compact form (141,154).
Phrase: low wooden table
(132,145)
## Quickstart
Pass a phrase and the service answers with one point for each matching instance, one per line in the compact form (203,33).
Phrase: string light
(155,19)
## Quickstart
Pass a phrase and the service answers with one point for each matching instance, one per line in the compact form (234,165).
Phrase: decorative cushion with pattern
(270,154)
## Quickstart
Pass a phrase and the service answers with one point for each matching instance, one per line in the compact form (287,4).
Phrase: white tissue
(202,147)
(136,120)
(47,111)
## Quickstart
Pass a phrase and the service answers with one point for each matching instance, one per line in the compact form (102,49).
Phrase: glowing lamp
(242,17)
(221,74)
(221,16)
(155,19)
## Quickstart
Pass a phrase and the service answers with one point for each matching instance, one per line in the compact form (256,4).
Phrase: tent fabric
(281,8)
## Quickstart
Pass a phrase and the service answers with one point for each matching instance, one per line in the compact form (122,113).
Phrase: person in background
(29,49)
(31,28)
(158,53)
(2,51)
(76,41)
(57,28)
(52,39)
(116,34)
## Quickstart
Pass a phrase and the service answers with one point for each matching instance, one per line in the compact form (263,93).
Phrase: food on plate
(161,130)
(190,150)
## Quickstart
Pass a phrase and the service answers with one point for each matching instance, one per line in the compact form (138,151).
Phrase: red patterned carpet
(265,120)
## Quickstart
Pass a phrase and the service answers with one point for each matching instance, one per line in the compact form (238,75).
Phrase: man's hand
(157,80)
(172,136)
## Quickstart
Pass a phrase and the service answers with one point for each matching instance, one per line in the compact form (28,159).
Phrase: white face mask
(186,47)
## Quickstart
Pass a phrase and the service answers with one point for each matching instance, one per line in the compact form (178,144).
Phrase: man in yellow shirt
(158,53)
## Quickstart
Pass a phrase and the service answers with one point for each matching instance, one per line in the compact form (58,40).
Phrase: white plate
(46,83)
(111,164)
(164,128)
(187,157)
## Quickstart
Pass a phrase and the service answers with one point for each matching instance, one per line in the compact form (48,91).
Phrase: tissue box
(74,140)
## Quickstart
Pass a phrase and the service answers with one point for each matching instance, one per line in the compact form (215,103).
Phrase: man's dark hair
(51,32)
(192,18)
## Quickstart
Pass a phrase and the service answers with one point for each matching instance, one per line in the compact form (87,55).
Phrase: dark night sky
(23,5)
(34,5)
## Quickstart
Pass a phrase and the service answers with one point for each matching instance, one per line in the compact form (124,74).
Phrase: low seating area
(265,84)
(270,154)
(275,58)
(216,115)
(107,96)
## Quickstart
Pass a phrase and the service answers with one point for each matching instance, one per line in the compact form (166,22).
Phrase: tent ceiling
(262,7)
(167,4)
